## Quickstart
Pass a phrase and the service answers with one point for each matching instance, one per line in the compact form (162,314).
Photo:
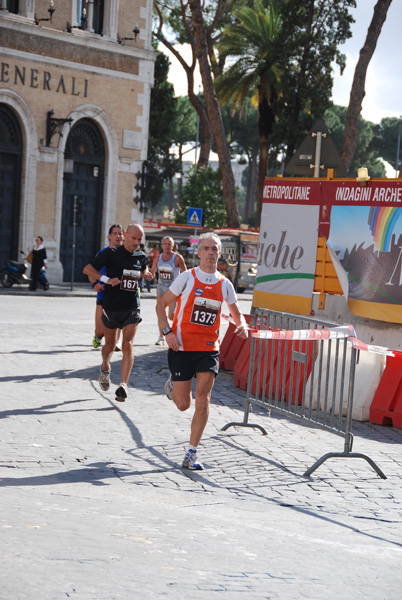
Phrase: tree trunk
(266,119)
(359,80)
(252,179)
(171,198)
(215,116)
(262,173)
(206,140)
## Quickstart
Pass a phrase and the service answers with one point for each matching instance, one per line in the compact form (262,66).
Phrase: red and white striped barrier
(333,333)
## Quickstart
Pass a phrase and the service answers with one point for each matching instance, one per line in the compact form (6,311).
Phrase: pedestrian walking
(121,302)
(169,265)
(39,261)
(193,339)
(115,237)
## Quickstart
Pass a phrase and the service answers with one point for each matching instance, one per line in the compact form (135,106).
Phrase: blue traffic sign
(194,217)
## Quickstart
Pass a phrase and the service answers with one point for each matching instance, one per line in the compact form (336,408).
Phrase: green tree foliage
(173,24)
(252,51)
(245,145)
(203,189)
(214,112)
(161,164)
(386,140)
(184,125)
(283,51)
(312,32)
(367,152)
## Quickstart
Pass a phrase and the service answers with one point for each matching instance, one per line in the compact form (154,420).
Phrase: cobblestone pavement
(95,505)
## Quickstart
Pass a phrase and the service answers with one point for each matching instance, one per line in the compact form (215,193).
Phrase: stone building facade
(74,116)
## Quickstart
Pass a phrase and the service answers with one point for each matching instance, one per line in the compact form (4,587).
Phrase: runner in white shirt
(193,339)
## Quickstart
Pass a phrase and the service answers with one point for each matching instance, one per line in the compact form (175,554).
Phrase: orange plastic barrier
(242,365)
(386,407)
(231,346)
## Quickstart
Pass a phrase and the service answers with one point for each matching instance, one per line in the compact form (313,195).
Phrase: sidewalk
(95,504)
(60,290)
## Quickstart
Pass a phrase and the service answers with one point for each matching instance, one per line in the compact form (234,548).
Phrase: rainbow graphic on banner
(382,221)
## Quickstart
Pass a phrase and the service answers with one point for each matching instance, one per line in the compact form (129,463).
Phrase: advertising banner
(363,227)
(366,235)
(287,248)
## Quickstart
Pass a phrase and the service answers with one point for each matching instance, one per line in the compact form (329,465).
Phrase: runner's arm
(241,325)
(92,273)
(180,263)
(164,301)
(154,267)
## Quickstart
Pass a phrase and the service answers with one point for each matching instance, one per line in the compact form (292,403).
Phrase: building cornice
(88,50)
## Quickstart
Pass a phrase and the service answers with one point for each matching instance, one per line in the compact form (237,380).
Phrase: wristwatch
(166,330)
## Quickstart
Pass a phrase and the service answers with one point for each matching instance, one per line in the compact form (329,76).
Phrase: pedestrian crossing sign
(194,217)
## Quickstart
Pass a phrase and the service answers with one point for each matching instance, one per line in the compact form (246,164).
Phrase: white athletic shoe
(169,388)
(104,380)
(160,341)
(121,392)
(191,461)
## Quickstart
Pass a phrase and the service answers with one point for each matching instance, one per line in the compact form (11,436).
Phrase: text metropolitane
(286,192)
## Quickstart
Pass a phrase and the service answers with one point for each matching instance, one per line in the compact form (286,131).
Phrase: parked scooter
(13,272)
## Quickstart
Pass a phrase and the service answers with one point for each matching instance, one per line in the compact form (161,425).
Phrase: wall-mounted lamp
(68,169)
(136,31)
(50,10)
(362,175)
(54,126)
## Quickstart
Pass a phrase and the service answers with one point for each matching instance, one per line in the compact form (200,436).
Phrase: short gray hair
(210,236)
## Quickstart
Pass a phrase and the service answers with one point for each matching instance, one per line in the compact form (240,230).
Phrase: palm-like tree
(250,48)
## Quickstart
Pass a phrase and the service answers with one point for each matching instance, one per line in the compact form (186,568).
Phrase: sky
(383,82)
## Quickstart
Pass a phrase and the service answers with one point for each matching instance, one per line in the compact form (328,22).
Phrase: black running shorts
(117,319)
(184,365)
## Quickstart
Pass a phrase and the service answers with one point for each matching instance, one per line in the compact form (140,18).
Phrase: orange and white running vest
(197,317)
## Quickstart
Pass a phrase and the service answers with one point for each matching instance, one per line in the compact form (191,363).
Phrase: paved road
(95,505)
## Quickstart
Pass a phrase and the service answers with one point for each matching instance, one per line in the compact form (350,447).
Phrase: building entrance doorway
(10,183)
(82,199)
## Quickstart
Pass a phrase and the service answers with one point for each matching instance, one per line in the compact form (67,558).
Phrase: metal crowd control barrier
(309,380)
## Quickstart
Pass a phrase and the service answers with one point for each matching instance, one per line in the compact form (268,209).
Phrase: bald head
(133,237)
(137,228)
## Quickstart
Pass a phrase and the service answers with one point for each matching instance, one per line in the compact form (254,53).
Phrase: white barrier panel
(368,373)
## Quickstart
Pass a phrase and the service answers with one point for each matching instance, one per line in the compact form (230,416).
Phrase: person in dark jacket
(39,260)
